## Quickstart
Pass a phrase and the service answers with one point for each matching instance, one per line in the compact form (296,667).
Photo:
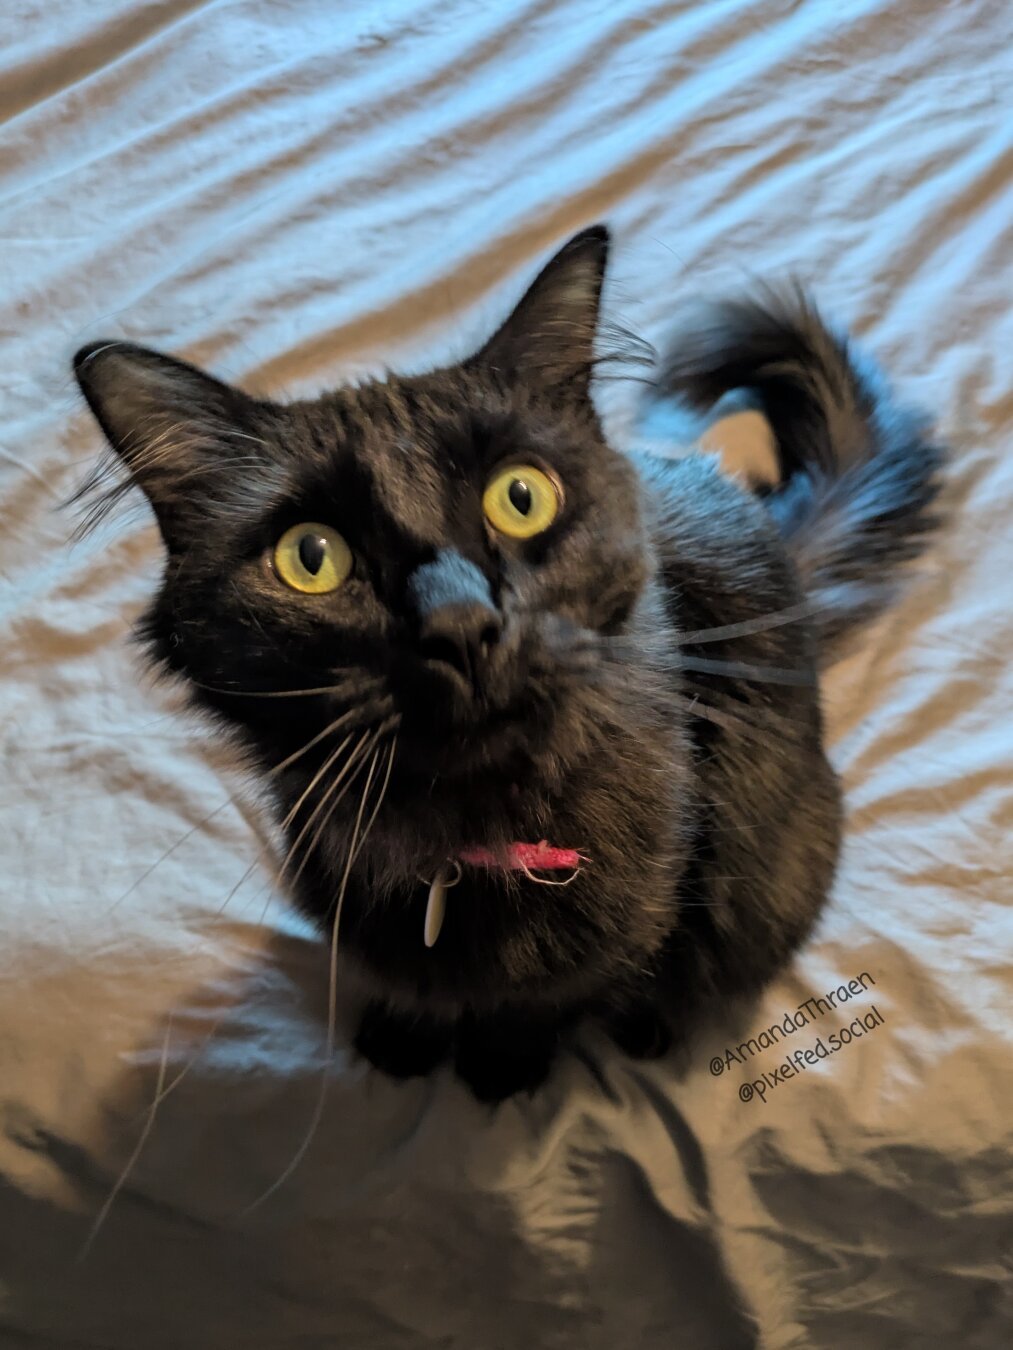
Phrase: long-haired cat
(540,719)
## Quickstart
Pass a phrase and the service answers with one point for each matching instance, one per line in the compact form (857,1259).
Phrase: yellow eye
(312,558)
(521,501)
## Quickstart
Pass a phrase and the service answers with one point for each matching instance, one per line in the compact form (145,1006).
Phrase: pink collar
(524,858)
(515,858)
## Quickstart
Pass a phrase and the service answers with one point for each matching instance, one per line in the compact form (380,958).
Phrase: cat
(540,719)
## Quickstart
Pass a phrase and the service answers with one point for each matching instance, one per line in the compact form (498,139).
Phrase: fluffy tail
(859,474)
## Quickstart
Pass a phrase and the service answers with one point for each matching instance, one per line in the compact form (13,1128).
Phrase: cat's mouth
(459,719)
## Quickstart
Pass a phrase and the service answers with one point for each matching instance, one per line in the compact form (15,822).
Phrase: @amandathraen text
(802,1058)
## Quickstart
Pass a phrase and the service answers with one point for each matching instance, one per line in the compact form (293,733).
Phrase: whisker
(209,1036)
(762,624)
(131,1162)
(229,801)
(286,693)
(161,1096)
(379,800)
(242,435)
(761,716)
(224,905)
(327,731)
(316,779)
(308,851)
(745,670)
(354,762)
(162,1092)
(729,721)
(332,998)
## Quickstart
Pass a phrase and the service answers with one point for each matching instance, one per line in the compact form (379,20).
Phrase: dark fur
(689,771)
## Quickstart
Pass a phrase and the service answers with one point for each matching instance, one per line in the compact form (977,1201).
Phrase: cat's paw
(401,1045)
(493,1074)
(639,1031)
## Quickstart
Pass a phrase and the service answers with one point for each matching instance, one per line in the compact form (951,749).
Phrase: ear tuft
(549,337)
(174,428)
(128,388)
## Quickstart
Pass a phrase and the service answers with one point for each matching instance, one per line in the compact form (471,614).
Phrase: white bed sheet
(297,192)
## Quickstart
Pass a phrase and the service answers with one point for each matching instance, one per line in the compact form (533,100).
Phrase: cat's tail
(859,474)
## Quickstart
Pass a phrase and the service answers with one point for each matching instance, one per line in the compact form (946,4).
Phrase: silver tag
(436,908)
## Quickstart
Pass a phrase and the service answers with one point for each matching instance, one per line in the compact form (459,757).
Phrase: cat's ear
(177,431)
(549,337)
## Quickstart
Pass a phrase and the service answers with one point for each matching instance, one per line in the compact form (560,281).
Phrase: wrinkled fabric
(300,193)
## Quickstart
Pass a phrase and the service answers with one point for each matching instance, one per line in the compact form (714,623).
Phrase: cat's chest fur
(687,818)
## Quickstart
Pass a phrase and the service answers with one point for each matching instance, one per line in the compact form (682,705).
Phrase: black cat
(541,719)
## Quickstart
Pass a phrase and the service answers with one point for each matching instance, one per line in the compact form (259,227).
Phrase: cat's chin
(504,745)
(462,767)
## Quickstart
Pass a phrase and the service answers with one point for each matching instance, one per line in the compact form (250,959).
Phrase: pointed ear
(177,431)
(549,337)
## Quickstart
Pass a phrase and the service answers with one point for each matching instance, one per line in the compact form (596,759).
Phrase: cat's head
(459,556)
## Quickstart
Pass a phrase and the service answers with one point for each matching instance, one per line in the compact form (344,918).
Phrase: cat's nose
(461,636)
(458,622)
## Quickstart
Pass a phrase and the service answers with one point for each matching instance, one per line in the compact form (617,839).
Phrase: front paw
(402,1045)
(494,1075)
(639,1031)
(504,1053)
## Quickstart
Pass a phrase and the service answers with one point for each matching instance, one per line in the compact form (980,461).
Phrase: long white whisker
(311,846)
(285,693)
(230,800)
(162,1092)
(224,905)
(161,1096)
(762,719)
(170,851)
(379,800)
(332,1000)
(762,624)
(131,1162)
(746,670)
(314,781)
(369,825)
(696,707)
(333,726)
(354,761)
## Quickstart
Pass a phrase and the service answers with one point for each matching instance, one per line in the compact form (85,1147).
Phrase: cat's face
(457,557)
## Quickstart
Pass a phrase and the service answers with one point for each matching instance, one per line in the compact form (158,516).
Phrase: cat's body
(634,683)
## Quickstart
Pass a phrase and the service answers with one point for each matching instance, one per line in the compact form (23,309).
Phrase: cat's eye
(521,501)
(312,558)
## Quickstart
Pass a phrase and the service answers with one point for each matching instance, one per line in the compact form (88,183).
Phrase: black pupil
(520,496)
(311,553)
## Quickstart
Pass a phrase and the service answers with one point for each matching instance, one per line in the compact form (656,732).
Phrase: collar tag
(436,908)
